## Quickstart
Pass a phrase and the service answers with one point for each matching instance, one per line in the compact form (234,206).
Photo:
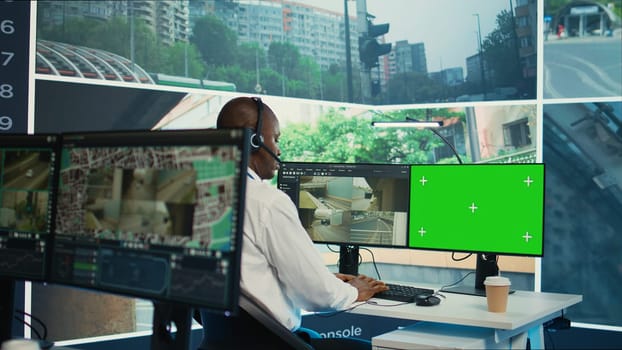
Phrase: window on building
(517,134)
(525,41)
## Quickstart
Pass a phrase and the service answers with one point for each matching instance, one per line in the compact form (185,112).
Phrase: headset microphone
(256,141)
(270,153)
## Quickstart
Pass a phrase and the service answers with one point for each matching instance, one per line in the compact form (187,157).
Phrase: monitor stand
(164,316)
(349,259)
(485,266)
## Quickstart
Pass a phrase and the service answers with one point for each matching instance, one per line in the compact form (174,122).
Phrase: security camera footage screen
(349,203)
(488,208)
(26,195)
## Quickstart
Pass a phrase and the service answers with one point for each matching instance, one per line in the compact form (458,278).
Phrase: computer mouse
(427,300)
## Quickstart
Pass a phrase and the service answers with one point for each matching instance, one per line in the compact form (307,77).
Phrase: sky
(448,28)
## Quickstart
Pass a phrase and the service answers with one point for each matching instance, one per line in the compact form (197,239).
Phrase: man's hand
(366,286)
(344,277)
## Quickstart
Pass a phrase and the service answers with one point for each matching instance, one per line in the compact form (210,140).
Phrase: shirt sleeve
(299,265)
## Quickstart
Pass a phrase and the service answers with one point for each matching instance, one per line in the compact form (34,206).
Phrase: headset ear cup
(255,142)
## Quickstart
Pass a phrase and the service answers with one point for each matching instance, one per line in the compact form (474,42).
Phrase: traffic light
(369,48)
(375,87)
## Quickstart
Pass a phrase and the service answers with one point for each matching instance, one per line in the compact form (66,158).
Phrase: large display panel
(28,165)
(349,204)
(482,208)
(488,209)
(570,55)
(152,214)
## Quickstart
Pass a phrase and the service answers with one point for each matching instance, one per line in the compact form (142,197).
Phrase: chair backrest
(253,327)
(266,319)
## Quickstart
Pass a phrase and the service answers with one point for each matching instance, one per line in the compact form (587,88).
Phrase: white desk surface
(523,309)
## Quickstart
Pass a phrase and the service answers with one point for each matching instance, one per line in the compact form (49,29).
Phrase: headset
(256,140)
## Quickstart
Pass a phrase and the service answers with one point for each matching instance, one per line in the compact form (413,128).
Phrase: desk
(526,312)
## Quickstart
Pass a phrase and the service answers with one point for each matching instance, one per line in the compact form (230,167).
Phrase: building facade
(169,20)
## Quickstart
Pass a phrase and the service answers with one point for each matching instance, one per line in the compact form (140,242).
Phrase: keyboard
(402,293)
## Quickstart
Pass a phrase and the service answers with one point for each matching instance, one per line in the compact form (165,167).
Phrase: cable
(36,319)
(331,249)
(335,313)
(360,258)
(373,259)
(453,257)
(33,329)
(458,281)
(453,149)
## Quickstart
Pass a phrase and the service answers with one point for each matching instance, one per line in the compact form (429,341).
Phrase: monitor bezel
(38,141)
(190,137)
(343,165)
(498,252)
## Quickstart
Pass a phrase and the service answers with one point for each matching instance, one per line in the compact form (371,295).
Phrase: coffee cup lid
(497,281)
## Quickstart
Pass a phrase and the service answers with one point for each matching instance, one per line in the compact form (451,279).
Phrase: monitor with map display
(152,214)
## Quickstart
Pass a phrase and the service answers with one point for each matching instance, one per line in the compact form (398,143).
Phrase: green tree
(251,56)
(334,83)
(270,81)
(243,79)
(215,41)
(500,51)
(174,60)
(284,58)
(412,87)
(114,36)
(338,138)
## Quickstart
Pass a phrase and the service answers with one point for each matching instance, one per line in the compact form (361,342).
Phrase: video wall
(521,81)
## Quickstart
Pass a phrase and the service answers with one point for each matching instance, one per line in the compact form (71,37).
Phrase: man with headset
(281,269)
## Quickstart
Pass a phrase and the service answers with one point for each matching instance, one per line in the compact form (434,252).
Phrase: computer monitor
(155,215)
(28,165)
(349,204)
(488,209)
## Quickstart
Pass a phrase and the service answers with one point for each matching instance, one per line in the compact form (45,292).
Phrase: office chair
(253,328)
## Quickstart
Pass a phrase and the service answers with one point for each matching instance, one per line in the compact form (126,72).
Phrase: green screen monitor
(487,209)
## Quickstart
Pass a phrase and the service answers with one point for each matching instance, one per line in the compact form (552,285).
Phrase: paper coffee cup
(497,291)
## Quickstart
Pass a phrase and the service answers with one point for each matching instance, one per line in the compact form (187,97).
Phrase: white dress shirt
(281,268)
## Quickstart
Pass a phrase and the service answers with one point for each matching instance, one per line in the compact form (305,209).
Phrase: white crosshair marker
(527,236)
(422,231)
(423,180)
(528,181)
(473,207)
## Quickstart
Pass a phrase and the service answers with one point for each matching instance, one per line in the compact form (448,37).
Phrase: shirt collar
(252,174)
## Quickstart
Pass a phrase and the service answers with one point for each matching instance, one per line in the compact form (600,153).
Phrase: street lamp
(348,51)
(481,55)
(418,124)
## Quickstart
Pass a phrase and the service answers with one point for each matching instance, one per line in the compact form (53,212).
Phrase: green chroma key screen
(485,208)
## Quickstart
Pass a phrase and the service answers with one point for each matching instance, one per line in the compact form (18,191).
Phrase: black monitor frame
(486,259)
(25,250)
(25,254)
(134,249)
(290,179)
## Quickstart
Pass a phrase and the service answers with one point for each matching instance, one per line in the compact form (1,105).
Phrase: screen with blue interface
(483,208)
(152,214)
(353,204)
(27,168)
